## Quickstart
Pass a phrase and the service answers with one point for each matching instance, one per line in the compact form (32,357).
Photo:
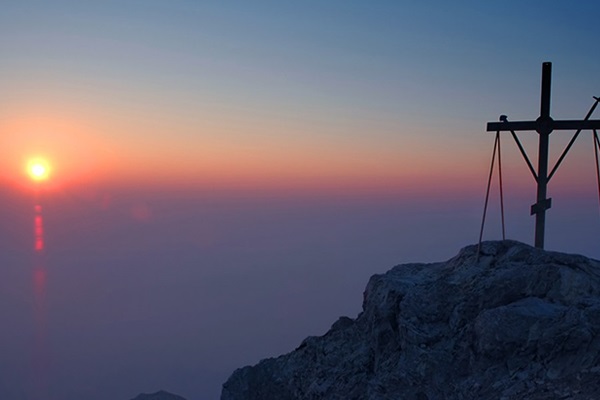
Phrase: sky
(226,176)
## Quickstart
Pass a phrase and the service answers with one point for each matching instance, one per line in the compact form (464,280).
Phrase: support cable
(487,194)
(596,147)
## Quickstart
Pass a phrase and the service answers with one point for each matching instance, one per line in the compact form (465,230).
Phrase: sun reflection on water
(40,366)
(38,229)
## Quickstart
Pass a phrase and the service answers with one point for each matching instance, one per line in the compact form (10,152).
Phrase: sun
(38,169)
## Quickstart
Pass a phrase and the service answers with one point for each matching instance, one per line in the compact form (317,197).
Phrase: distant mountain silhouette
(516,322)
(160,395)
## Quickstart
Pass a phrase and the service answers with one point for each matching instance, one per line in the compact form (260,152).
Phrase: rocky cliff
(517,322)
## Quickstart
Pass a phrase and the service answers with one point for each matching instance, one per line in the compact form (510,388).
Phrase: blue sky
(219,165)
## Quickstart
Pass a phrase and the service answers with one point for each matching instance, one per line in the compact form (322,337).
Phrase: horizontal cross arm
(589,124)
(569,125)
(512,126)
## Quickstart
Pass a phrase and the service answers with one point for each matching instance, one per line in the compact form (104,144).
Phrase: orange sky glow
(88,147)
(85,147)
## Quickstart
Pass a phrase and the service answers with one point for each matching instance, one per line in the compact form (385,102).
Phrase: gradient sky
(310,93)
(227,175)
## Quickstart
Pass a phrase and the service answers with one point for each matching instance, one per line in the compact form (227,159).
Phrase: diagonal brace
(503,118)
(564,153)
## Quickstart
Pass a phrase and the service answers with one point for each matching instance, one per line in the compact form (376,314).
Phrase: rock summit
(513,322)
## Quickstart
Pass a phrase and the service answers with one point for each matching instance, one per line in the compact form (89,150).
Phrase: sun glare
(38,170)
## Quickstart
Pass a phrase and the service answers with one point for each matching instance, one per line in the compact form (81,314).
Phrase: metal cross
(544,126)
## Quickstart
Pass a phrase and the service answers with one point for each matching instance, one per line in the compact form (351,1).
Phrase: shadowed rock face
(517,323)
(161,395)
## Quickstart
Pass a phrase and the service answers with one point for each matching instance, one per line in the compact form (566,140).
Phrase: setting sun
(38,170)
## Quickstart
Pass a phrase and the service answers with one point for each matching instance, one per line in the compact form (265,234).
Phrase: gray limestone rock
(516,323)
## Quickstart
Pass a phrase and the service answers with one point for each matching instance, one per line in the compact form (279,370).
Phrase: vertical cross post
(544,126)
(544,129)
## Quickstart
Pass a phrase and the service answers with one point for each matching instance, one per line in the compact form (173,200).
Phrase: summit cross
(544,126)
